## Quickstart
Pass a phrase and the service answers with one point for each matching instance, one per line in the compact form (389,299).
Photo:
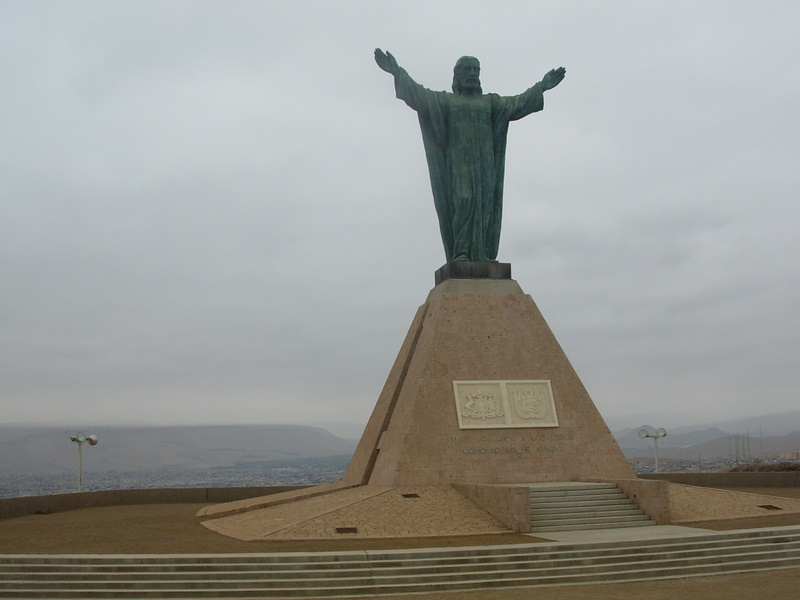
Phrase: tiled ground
(375,512)
(384,512)
(690,503)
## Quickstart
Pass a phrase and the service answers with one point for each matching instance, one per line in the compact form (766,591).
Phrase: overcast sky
(218,212)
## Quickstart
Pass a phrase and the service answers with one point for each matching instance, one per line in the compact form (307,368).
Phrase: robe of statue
(465,146)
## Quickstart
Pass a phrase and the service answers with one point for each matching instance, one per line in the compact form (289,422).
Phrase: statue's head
(467,76)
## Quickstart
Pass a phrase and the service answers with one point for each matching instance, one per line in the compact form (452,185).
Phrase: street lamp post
(80,438)
(660,432)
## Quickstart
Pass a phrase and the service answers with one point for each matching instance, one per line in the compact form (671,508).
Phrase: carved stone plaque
(502,404)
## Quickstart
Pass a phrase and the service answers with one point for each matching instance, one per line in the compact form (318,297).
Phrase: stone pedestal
(472,270)
(482,393)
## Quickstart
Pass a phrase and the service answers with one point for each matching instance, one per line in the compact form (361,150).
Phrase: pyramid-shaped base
(518,412)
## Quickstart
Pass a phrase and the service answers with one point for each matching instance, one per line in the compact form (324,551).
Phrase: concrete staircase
(369,573)
(570,506)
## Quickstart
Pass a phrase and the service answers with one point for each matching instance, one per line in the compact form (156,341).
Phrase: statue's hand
(386,61)
(553,78)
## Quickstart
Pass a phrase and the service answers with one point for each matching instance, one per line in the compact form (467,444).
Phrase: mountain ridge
(43,450)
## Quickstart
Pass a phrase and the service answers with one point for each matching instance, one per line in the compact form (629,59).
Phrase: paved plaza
(175,528)
(440,511)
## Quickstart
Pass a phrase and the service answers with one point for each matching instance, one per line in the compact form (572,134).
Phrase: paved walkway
(625,534)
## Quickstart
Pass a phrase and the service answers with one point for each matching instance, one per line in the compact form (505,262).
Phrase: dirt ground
(174,529)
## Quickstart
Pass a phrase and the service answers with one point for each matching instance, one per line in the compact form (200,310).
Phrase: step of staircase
(571,506)
(618,506)
(368,573)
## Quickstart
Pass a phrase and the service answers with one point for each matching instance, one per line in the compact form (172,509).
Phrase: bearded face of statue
(466,76)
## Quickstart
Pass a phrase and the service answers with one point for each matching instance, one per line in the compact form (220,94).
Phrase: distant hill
(40,450)
(767,434)
(755,447)
(777,424)
(774,424)
(628,439)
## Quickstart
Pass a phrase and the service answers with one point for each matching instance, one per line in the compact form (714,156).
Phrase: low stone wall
(747,480)
(509,504)
(28,505)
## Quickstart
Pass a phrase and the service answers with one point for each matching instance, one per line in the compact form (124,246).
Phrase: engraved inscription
(520,445)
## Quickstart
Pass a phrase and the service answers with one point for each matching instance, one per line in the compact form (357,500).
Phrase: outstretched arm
(552,78)
(532,99)
(409,91)
(387,62)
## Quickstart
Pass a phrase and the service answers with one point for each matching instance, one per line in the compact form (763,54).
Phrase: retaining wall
(28,505)
(651,496)
(784,479)
(509,504)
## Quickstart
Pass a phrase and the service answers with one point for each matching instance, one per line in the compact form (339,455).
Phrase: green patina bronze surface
(464,134)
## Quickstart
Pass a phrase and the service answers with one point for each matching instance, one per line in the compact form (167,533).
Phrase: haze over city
(219,212)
